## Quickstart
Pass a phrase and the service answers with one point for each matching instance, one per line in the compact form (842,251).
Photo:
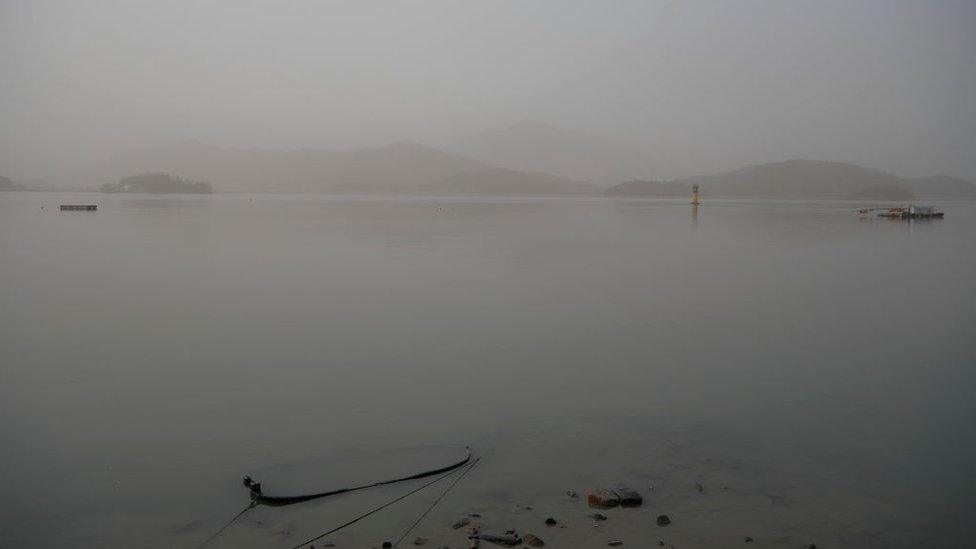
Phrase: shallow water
(814,372)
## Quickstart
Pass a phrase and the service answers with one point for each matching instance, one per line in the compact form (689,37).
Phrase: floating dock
(911,212)
(79,207)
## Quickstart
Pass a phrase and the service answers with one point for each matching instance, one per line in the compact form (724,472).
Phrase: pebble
(550,521)
(533,541)
(420,541)
(748,539)
(615,542)
(699,487)
(387,545)
(663,520)
(603,499)
(461,524)
(572,494)
(628,497)
(599,516)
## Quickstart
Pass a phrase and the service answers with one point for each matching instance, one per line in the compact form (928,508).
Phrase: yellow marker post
(695,198)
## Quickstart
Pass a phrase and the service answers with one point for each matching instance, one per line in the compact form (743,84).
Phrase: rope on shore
(377,509)
(207,541)
(436,501)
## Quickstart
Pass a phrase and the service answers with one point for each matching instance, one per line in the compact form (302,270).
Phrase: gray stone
(628,497)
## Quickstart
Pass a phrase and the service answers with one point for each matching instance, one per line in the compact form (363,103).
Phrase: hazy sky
(701,86)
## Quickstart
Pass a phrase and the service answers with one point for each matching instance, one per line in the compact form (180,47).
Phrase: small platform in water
(79,207)
(910,212)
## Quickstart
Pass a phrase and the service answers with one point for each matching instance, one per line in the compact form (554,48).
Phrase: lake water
(813,371)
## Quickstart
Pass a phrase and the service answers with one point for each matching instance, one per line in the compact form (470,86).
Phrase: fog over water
(812,370)
(333,242)
(695,87)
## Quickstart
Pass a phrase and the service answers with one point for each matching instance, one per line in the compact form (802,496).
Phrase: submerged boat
(910,212)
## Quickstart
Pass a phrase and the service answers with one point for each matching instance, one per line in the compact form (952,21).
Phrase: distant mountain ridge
(801,178)
(534,146)
(411,168)
(395,168)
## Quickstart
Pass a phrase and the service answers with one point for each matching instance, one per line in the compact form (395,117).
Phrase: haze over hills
(6,184)
(539,147)
(499,181)
(411,168)
(157,183)
(803,179)
(394,168)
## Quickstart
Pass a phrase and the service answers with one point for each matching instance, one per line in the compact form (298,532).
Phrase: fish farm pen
(79,207)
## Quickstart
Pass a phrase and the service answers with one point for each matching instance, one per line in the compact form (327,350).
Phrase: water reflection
(221,334)
(163,205)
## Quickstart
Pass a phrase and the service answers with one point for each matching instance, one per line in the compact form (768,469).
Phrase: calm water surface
(813,371)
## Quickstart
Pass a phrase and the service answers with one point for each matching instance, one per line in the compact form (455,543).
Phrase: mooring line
(436,501)
(226,526)
(376,509)
(277,501)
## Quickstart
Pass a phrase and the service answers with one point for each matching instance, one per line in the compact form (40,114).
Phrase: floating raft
(79,207)
(912,215)
(911,212)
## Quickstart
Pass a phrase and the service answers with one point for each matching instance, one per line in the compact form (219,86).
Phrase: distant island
(803,179)
(157,183)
